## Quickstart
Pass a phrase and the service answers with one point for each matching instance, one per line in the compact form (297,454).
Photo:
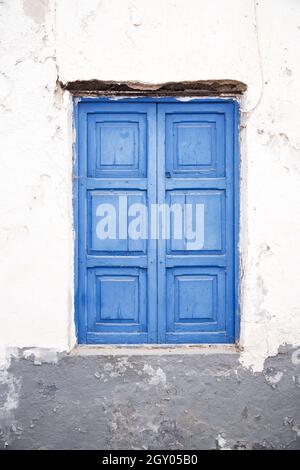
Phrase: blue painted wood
(117,144)
(197,164)
(162,150)
(117,300)
(116,281)
(194,144)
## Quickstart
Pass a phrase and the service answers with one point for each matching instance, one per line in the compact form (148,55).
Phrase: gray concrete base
(194,401)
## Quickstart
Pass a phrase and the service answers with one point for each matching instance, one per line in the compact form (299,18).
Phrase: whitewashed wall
(256,42)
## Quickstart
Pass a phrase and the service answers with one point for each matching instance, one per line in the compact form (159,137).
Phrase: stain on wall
(36,10)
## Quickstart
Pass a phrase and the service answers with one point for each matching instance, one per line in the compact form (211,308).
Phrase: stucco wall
(189,401)
(42,41)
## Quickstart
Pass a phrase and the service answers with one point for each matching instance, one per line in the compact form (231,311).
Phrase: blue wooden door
(175,284)
(197,169)
(116,274)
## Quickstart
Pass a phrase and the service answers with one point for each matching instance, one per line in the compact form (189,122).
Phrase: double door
(156,186)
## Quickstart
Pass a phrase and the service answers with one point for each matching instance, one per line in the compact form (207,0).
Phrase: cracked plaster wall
(42,41)
(207,401)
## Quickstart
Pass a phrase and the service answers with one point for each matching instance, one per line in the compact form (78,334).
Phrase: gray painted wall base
(152,402)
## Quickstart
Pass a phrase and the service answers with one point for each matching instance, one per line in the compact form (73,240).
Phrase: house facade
(149,343)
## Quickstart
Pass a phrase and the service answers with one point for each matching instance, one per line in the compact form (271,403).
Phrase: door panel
(195,301)
(195,167)
(194,144)
(117,144)
(117,304)
(211,217)
(116,273)
(120,200)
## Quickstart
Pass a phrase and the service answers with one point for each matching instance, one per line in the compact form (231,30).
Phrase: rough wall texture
(43,42)
(36,192)
(153,402)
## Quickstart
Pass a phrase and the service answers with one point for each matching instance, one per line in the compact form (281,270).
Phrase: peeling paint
(156,377)
(221,443)
(273,376)
(9,398)
(41,356)
(161,402)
